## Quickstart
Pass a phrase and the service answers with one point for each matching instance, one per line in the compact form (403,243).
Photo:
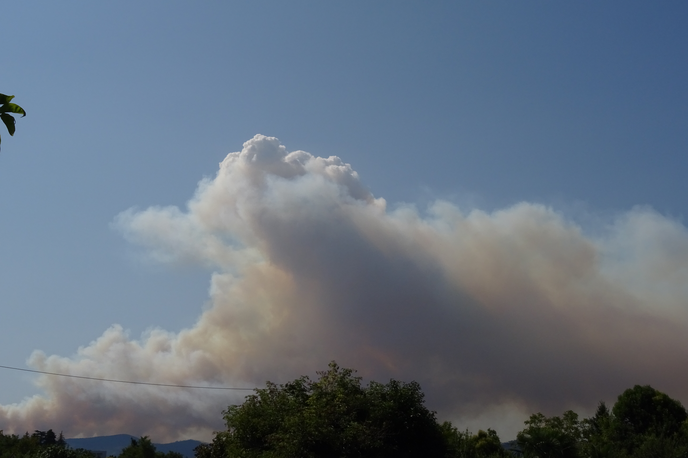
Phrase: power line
(195,387)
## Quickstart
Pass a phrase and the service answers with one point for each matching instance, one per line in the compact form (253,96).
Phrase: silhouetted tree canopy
(337,416)
(334,416)
(643,423)
(551,437)
(40,444)
(144,448)
(641,412)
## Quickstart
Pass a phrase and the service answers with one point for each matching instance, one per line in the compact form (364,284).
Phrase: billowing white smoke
(495,314)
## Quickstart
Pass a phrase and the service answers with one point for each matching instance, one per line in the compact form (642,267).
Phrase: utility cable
(195,387)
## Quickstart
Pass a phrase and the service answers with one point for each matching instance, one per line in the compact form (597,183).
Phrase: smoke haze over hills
(497,314)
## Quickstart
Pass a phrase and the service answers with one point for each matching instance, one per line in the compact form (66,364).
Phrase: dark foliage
(144,448)
(642,412)
(40,444)
(644,423)
(334,416)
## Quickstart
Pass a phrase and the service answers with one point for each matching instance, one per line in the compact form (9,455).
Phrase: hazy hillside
(113,445)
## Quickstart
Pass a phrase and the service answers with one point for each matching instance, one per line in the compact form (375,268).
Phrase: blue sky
(581,106)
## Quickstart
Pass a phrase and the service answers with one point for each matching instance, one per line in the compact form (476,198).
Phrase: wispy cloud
(495,314)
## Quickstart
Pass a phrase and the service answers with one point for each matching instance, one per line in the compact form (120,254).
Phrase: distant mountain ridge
(113,445)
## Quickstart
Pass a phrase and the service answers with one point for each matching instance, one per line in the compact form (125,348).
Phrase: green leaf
(9,122)
(12,108)
(5,98)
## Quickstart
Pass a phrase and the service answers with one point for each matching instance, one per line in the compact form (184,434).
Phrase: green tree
(49,438)
(40,444)
(487,444)
(139,448)
(464,444)
(144,448)
(597,441)
(61,451)
(8,107)
(335,416)
(641,413)
(643,423)
(12,445)
(553,437)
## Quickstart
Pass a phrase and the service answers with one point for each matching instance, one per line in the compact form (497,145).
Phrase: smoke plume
(497,315)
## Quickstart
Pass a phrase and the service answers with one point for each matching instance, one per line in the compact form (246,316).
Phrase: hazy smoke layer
(496,314)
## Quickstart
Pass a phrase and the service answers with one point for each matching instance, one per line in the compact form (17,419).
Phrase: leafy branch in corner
(7,108)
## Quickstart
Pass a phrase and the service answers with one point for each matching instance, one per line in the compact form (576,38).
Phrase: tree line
(47,444)
(337,416)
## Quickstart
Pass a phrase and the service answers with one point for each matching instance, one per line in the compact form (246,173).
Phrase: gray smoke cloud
(497,314)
